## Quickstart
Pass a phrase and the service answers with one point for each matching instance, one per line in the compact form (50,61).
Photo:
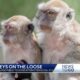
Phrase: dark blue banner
(27,67)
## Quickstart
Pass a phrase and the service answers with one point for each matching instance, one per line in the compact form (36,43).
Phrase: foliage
(28,8)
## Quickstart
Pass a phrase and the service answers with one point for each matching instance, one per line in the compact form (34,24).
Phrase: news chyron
(54,68)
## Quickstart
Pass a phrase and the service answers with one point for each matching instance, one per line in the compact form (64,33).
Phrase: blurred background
(28,8)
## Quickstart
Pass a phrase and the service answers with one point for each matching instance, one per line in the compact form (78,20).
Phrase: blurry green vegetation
(28,8)
(9,8)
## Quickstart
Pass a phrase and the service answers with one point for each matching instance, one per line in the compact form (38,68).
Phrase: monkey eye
(8,27)
(51,13)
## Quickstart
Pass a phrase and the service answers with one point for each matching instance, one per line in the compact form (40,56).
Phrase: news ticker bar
(55,68)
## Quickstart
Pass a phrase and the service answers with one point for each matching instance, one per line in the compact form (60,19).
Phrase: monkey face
(9,31)
(16,26)
(53,15)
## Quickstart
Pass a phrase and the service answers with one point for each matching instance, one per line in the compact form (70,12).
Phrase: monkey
(58,34)
(49,21)
(19,44)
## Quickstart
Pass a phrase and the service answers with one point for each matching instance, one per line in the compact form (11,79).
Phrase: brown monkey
(18,42)
(55,22)
(57,30)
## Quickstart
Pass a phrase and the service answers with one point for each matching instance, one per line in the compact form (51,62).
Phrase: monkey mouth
(7,33)
(45,28)
(8,37)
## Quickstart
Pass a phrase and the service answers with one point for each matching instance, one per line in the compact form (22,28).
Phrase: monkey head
(53,15)
(15,28)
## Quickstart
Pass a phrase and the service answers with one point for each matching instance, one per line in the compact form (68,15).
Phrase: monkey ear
(70,15)
(31,27)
